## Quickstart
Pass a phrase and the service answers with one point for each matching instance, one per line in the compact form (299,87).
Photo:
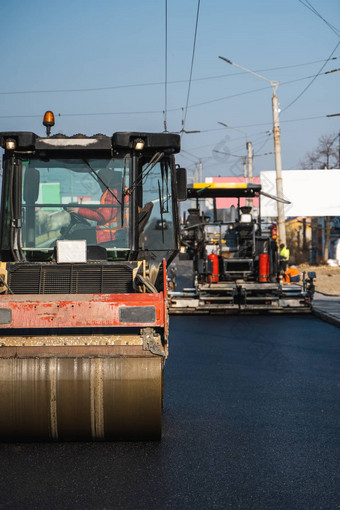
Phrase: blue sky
(63,47)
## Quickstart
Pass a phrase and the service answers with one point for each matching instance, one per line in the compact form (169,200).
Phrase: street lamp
(277,149)
(236,129)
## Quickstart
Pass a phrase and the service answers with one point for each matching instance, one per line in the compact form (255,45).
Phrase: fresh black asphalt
(251,421)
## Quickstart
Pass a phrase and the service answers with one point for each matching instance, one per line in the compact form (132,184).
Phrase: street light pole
(278,167)
(200,165)
(245,168)
(250,170)
(200,179)
(250,161)
(236,129)
(277,149)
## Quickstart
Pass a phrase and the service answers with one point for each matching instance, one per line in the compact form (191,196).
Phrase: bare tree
(325,155)
(310,162)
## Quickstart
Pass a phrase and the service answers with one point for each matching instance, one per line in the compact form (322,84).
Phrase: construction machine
(235,261)
(88,227)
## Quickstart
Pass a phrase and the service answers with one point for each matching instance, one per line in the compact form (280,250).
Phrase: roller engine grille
(70,279)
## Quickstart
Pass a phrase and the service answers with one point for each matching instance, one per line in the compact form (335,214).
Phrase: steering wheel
(75,219)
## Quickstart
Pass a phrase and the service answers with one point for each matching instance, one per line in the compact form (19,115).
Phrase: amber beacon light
(48,121)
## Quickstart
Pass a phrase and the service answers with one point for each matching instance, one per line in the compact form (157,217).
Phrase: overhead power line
(151,84)
(84,114)
(312,81)
(152,112)
(215,100)
(281,121)
(271,124)
(166,66)
(309,6)
(191,67)
(259,149)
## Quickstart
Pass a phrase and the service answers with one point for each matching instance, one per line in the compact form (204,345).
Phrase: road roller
(89,225)
(236,267)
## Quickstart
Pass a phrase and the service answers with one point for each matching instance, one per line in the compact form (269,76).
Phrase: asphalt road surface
(251,420)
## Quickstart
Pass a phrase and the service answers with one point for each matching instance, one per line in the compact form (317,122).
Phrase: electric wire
(215,100)
(211,144)
(148,84)
(151,112)
(255,139)
(261,148)
(311,8)
(269,123)
(84,114)
(166,68)
(189,159)
(191,68)
(312,81)
(288,120)
(187,152)
(229,154)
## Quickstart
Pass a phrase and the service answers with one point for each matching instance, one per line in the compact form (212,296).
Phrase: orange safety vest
(291,273)
(108,219)
(106,232)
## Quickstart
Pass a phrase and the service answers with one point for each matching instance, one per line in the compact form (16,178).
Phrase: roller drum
(80,397)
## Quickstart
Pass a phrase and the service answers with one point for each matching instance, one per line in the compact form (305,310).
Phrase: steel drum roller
(89,397)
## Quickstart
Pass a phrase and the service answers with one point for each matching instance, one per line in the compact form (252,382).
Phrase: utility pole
(245,168)
(250,169)
(277,148)
(200,165)
(250,161)
(200,174)
(278,166)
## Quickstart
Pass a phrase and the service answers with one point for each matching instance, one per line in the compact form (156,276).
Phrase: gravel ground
(327,278)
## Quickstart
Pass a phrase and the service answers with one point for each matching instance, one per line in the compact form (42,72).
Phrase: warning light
(274,232)
(138,144)
(10,144)
(48,121)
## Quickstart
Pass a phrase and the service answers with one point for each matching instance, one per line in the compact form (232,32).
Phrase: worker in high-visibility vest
(291,275)
(108,219)
(284,256)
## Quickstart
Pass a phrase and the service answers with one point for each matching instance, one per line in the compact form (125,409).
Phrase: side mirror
(31,185)
(311,274)
(181,184)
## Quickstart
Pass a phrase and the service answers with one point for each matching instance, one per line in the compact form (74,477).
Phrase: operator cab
(237,242)
(118,194)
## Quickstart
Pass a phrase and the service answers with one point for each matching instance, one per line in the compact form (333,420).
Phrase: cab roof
(27,141)
(223,190)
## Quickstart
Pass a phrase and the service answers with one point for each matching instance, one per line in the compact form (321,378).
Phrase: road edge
(327,317)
